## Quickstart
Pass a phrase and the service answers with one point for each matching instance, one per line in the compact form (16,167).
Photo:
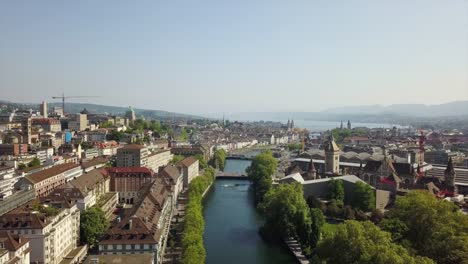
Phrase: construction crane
(63,97)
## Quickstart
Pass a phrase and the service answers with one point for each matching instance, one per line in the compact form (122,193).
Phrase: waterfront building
(190,169)
(175,178)
(142,229)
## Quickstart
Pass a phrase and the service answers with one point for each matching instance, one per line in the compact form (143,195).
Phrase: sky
(216,56)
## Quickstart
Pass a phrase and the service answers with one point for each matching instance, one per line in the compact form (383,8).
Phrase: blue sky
(226,56)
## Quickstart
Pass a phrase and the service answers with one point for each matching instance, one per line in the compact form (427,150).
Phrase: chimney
(130,224)
(408,157)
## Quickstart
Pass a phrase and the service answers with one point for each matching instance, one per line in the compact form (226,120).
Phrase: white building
(7,180)
(159,159)
(52,233)
(14,249)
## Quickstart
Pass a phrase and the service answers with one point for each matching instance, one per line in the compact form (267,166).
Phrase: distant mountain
(114,110)
(458,108)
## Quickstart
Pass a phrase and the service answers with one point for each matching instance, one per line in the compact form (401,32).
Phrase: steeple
(332,156)
(349,124)
(341,126)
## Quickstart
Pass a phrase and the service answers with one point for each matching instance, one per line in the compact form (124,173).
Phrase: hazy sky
(223,56)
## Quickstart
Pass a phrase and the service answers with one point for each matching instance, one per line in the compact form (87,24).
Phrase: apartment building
(128,181)
(14,249)
(50,224)
(132,155)
(190,169)
(159,159)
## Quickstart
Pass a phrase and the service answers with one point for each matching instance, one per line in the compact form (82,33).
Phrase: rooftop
(47,173)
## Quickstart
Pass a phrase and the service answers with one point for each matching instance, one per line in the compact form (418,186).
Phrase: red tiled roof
(129,170)
(187,162)
(47,173)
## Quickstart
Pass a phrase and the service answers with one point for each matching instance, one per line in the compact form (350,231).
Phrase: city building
(17,199)
(7,181)
(175,177)
(47,124)
(14,249)
(159,159)
(190,169)
(52,225)
(108,148)
(45,181)
(128,181)
(78,123)
(43,109)
(16,149)
(132,155)
(142,229)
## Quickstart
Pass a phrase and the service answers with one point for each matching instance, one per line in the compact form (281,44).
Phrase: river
(232,223)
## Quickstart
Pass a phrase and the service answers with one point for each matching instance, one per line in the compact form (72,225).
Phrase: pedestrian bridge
(230,175)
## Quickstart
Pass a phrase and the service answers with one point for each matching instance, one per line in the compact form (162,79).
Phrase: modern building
(159,159)
(190,169)
(128,181)
(7,181)
(52,225)
(44,111)
(132,155)
(79,123)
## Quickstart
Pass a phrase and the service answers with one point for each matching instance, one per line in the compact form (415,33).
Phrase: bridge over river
(231,175)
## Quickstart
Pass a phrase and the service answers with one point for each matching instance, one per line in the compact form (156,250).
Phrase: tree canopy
(363,242)
(433,228)
(34,162)
(363,197)
(336,191)
(219,159)
(93,224)
(260,171)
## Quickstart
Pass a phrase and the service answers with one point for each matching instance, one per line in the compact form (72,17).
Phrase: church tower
(349,124)
(332,156)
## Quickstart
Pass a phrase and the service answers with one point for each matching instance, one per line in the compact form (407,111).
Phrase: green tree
(335,191)
(435,228)
(93,224)
(363,242)
(106,124)
(318,220)
(201,161)
(363,197)
(286,213)
(21,166)
(261,169)
(34,162)
(176,159)
(219,159)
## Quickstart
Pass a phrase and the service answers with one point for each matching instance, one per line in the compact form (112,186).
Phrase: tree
(176,159)
(433,228)
(34,162)
(318,220)
(286,213)
(106,124)
(21,166)
(201,161)
(219,159)
(363,242)
(261,169)
(363,197)
(93,224)
(336,191)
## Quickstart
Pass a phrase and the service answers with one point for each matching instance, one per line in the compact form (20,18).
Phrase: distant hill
(114,110)
(458,108)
